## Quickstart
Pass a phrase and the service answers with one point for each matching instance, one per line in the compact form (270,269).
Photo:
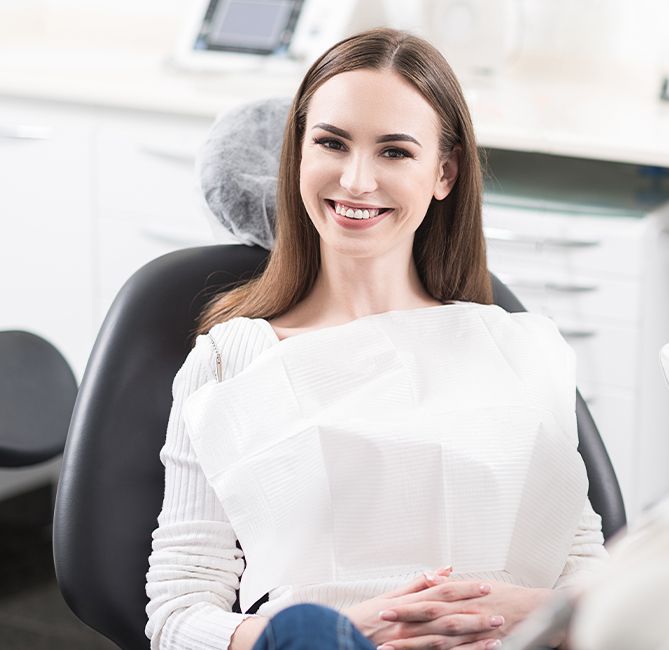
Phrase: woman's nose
(358,176)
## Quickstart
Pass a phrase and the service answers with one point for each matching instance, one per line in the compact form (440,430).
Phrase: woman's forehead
(372,100)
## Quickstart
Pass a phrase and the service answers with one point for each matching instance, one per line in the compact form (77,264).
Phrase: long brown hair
(448,248)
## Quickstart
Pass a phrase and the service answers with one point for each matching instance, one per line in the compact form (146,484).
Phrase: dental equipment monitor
(229,35)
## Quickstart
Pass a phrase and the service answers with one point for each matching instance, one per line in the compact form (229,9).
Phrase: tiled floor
(33,614)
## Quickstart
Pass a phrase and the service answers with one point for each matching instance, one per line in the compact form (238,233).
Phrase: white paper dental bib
(396,443)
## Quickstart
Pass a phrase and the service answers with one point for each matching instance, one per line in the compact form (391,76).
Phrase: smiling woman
(371,416)
(378,123)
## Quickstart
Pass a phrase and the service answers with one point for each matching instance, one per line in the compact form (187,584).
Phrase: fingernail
(496,621)
(387,615)
(486,589)
(385,646)
(493,645)
(447,569)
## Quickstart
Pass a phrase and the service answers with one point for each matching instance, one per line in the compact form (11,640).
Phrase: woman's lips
(356,224)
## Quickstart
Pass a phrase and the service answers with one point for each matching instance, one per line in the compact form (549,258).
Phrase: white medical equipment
(274,35)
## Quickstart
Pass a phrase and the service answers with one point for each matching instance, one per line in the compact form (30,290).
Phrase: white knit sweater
(195,565)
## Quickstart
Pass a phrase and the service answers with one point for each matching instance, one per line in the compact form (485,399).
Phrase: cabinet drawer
(605,246)
(576,295)
(606,354)
(147,170)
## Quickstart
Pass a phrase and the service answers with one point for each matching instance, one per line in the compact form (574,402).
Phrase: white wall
(629,34)
(570,37)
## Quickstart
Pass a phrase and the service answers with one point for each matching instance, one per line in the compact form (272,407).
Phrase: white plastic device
(314,26)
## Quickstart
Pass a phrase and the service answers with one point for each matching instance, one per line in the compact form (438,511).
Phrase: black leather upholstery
(37,394)
(111,486)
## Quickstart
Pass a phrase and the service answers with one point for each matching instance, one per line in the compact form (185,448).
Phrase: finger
(436,641)
(461,624)
(416,585)
(424,581)
(454,590)
(458,621)
(445,590)
(483,644)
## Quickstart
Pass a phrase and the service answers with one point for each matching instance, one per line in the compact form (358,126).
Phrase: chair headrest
(238,166)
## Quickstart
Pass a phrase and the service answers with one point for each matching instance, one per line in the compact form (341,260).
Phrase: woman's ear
(448,174)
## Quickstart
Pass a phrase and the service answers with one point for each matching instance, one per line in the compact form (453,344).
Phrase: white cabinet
(87,196)
(46,254)
(147,199)
(46,235)
(604,279)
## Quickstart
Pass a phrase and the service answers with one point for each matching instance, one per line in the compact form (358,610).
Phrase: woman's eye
(329,143)
(397,153)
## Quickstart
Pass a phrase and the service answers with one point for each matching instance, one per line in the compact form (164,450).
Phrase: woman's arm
(587,552)
(195,565)
(248,633)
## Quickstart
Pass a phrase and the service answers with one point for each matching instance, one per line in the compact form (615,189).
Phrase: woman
(360,413)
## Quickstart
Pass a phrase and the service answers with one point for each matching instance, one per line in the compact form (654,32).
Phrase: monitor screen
(253,26)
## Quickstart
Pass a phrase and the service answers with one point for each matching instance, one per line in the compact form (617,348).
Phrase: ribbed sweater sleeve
(587,551)
(195,564)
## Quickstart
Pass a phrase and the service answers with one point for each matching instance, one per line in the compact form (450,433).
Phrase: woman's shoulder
(236,341)
(233,343)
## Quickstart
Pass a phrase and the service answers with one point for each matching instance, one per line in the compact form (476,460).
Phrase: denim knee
(307,626)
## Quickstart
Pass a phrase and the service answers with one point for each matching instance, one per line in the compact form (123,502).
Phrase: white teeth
(355,213)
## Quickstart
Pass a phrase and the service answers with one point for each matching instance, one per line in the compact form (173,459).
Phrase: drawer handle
(163,154)
(561,287)
(575,333)
(500,234)
(25,132)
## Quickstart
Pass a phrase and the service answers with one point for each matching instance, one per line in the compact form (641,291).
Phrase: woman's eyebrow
(390,137)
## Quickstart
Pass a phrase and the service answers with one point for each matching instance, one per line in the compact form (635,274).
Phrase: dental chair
(111,485)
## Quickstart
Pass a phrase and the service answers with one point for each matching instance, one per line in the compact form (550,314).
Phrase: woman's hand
(512,602)
(454,622)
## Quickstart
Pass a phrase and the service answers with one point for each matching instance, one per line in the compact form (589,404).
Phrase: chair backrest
(111,486)
(604,491)
(37,394)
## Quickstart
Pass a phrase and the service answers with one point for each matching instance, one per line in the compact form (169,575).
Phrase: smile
(357,212)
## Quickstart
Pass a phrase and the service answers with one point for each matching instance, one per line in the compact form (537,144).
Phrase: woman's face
(371,149)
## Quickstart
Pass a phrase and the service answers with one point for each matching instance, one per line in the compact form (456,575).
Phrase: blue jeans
(307,626)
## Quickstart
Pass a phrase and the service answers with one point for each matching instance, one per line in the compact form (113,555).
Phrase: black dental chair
(111,486)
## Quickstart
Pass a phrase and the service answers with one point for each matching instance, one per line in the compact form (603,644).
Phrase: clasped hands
(435,612)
